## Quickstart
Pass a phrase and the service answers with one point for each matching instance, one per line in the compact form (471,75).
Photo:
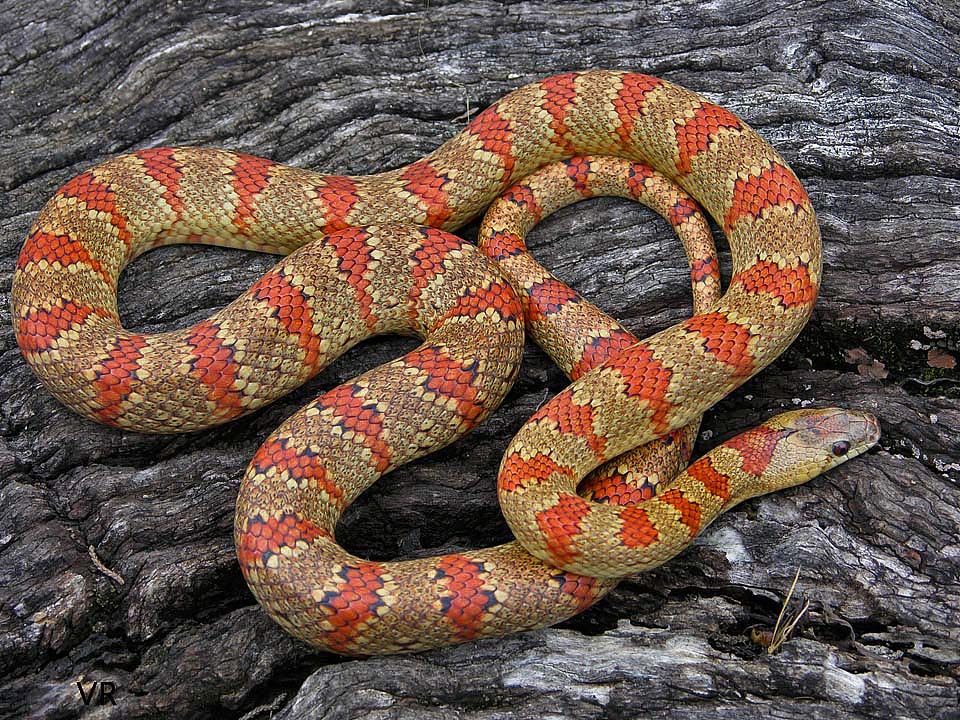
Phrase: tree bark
(116,554)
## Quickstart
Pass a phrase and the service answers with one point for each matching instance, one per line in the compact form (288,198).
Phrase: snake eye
(841,448)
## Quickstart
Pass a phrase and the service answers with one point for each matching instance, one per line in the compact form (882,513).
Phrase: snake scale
(372,254)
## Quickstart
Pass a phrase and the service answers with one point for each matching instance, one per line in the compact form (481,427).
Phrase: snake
(374,254)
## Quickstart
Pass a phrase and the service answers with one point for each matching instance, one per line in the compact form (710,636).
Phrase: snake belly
(67,325)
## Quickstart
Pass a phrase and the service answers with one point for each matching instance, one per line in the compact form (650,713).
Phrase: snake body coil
(371,272)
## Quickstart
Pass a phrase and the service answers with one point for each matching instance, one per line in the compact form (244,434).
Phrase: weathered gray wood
(862,101)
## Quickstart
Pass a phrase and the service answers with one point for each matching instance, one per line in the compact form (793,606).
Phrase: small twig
(469,111)
(98,563)
(423,55)
(269,708)
(782,632)
(546,394)
(466,115)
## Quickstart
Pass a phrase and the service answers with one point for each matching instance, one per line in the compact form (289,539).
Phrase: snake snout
(847,433)
(871,430)
(862,429)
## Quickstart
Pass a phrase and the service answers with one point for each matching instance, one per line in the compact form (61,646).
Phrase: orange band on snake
(357,281)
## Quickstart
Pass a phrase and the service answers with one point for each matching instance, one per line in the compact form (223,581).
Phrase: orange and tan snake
(361,262)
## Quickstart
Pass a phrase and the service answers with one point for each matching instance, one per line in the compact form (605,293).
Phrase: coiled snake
(382,262)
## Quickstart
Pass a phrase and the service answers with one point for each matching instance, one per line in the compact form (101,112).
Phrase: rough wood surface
(116,557)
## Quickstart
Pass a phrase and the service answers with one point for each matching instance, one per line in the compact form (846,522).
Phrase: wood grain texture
(860,98)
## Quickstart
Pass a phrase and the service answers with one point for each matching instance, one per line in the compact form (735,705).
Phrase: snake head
(813,441)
